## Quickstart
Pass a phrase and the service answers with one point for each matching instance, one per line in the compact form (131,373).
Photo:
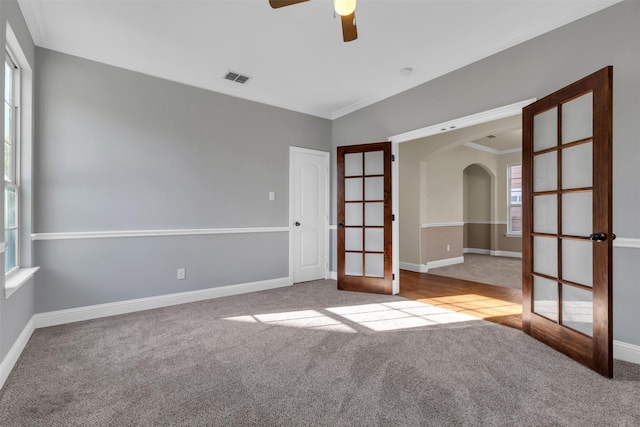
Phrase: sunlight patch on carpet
(398,315)
(309,319)
(378,317)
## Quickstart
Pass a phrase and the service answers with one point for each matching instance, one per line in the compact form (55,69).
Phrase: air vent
(236,77)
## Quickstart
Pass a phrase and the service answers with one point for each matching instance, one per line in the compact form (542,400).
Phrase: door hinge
(393,217)
(393,158)
(393,277)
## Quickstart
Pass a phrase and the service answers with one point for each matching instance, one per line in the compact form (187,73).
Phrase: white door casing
(309,214)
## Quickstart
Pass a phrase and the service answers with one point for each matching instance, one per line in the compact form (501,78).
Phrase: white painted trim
(514,235)
(442,224)
(395,211)
(487,222)
(16,279)
(326,225)
(333,227)
(508,254)
(444,262)
(154,233)
(491,150)
(79,314)
(418,268)
(476,251)
(32,13)
(625,242)
(463,122)
(16,350)
(626,352)
(3,247)
(482,117)
(333,275)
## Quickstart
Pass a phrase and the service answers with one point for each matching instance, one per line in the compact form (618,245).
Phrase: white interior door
(309,214)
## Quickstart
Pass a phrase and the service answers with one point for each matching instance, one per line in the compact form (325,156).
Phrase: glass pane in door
(374,214)
(545,130)
(577,119)
(545,214)
(545,298)
(353,189)
(577,168)
(353,164)
(545,256)
(374,163)
(374,188)
(577,261)
(374,240)
(353,214)
(577,215)
(577,309)
(374,264)
(353,239)
(545,172)
(353,264)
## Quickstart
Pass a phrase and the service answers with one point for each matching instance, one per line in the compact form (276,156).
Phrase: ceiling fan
(345,8)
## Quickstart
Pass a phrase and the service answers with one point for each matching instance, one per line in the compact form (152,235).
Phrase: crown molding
(32,13)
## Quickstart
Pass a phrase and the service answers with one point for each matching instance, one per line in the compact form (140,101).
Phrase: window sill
(13,282)
(519,235)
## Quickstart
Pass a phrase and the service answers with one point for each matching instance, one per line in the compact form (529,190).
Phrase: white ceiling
(295,55)
(502,141)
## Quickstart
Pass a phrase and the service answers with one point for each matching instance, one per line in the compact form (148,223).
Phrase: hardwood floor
(492,303)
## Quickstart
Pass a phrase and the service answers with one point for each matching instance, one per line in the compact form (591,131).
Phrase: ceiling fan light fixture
(344,7)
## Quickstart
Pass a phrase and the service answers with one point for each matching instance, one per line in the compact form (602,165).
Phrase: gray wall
(16,311)
(534,69)
(119,150)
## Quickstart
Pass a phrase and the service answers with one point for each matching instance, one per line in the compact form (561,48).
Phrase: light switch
(272,195)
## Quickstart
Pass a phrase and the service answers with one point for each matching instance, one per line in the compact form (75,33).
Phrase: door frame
(443,127)
(325,197)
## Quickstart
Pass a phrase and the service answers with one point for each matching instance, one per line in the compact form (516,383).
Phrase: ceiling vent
(491,136)
(236,77)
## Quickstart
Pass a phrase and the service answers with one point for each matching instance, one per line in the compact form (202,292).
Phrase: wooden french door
(365,218)
(567,221)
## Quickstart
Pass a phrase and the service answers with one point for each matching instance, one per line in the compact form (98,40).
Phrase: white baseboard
(333,275)
(626,352)
(14,353)
(507,254)
(476,251)
(418,268)
(79,314)
(444,262)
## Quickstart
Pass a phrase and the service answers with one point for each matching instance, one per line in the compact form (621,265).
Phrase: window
(11,152)
(514,180)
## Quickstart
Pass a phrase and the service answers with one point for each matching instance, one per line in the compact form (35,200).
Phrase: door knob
(598,237)
(341,225)
(297,224)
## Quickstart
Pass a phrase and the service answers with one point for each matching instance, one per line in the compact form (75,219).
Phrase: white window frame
(14,181)
(510,203)
(25,270)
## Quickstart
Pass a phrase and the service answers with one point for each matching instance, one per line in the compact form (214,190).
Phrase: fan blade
(349,29)
(281,3)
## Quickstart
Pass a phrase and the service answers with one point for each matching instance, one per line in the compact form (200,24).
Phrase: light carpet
(306,355)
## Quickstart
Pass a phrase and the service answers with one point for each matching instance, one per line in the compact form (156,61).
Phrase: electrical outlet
(448,248)
(182,273)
